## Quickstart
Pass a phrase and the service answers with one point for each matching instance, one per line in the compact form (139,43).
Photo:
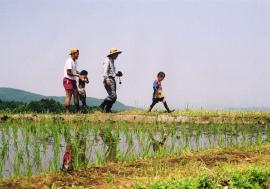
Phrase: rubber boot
(84,102)
(84,107)
(150,108)
(103,105)
(109,107)
(67,108)
(77,107)
(167,108)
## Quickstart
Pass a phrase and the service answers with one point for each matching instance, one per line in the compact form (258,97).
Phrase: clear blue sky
(216,53)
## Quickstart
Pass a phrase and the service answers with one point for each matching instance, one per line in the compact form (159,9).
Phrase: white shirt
(70,65)
(108,68)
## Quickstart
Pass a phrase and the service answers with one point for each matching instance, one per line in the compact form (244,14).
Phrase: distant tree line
(41,106)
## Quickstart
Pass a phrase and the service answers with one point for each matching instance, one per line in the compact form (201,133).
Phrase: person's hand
(119,74)
(109,82)
(81,77)
(159,91)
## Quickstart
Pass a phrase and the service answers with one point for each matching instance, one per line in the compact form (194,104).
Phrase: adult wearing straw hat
(69,82)
(109,74)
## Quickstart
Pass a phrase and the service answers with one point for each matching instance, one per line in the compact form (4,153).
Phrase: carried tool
(119,74)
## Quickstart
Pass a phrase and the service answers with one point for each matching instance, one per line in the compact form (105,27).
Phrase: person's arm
(69,72)
(69,69)
(155,85)
(105,69)
(78,74)
(119,74)
(86,80)
(105,72)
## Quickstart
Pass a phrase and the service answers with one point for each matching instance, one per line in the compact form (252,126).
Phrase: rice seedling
(41,143)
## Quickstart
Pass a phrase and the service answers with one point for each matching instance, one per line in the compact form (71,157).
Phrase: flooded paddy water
(29,147)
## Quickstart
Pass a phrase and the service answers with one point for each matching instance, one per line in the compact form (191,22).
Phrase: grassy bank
(250,177)
(203,117)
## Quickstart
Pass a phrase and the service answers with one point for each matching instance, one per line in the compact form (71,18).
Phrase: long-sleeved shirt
(108,68)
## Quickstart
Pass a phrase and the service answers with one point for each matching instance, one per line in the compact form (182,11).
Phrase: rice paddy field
(134,149)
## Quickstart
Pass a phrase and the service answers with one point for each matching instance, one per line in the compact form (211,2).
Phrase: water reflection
(81,139)
(111,142)
(67,165)
(157,145)
(30,149)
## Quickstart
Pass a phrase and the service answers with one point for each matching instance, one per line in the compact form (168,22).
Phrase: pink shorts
(69,84)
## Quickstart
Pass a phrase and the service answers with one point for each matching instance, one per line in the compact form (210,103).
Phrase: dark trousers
(156,100)
(108,102)
(83,99)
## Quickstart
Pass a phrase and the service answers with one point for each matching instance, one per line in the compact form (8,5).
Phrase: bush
(41,106)
(45,105)
(254,178)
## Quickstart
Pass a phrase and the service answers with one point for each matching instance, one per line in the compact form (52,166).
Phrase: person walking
(158,93)
(69,82)
(109,74)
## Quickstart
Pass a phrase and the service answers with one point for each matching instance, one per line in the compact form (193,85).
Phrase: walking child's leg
(83,98)
(154,102)
(166,106)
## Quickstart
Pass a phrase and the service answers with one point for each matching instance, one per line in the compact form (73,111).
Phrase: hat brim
(117,52)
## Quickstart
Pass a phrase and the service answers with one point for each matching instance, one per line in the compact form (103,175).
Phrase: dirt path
(126,175)
(200,118)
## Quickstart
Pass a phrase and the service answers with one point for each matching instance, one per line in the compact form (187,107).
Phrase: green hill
(10,94)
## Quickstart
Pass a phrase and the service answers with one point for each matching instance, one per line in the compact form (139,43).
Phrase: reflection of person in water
(110,142)
(67,159)
(81,138)
(156,144)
